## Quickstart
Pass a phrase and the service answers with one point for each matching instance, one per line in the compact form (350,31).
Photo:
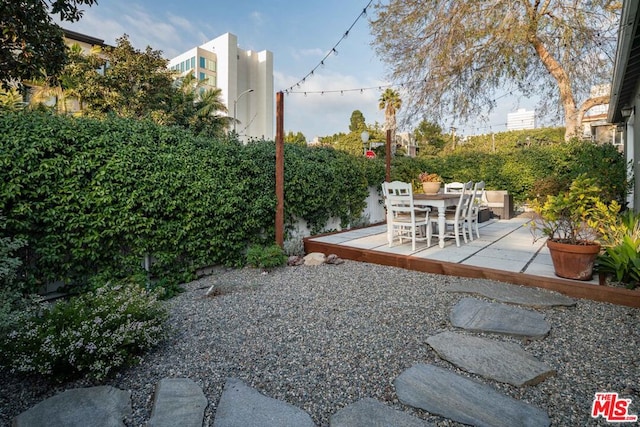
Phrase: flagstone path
(180,401)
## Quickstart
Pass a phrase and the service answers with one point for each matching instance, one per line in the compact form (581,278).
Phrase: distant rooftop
(73,35)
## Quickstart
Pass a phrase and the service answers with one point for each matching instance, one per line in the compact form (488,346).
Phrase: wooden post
(280,169)
(387,155)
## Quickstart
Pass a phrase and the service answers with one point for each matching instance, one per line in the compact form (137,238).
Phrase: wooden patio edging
(572,288)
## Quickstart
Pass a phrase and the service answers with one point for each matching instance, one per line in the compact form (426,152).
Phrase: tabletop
(439,196)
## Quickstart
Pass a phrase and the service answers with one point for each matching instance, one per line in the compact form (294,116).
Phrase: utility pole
(453,137)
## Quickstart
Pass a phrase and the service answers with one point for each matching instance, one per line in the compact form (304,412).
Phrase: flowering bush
(91,334)
(429,177)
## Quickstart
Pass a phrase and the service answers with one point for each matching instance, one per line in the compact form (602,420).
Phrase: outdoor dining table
(441,201)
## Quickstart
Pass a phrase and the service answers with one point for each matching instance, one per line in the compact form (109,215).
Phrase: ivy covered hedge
(527,171)
(94,197)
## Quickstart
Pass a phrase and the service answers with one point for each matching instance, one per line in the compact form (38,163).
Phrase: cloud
(142,26)
(328,104)
(304,53)
(257,18)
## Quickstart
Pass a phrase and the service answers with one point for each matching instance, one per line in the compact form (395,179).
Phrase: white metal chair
(403,218)
(475,203)
(455,221)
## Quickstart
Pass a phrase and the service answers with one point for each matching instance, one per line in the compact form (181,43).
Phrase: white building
(245,78)
(521,119)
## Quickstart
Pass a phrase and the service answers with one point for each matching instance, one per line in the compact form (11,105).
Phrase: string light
(333,50)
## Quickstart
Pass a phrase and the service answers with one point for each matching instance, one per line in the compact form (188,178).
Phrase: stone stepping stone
(372,413)
(177,401)
(512,294)
(477,315)
(500,361)
(102,406)
(460,399)
(243,406)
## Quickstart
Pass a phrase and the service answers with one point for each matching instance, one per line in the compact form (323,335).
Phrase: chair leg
(414,231)
(464,233)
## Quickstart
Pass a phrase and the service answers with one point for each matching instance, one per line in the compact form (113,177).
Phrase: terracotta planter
(431,187)
(573,261)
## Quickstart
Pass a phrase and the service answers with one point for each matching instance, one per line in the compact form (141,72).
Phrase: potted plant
(430,182)
(573,222)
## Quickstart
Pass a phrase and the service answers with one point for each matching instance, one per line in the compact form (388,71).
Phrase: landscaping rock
(314,258)
(177,402)
(513,294)
(295,260)
(102,406)
(476,315)
(460,399)
(372,413)
(334,259)
(500,361)
(242,406)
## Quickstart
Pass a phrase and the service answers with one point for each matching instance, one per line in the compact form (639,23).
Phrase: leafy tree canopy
(429,138)
(31,44)
(295,138)
(357,121)
(452,56)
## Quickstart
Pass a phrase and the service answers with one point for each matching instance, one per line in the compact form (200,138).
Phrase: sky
(299,33)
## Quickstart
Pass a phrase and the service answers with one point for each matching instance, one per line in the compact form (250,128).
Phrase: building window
(202,76)
(203,62)
(211,65)
(193,62)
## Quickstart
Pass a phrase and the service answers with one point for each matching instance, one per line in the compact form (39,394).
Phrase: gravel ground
(323,337)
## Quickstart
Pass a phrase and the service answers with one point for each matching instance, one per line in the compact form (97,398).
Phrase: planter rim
(580,242)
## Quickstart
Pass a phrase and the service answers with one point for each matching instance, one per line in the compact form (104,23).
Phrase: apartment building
(521,119)
(245,78)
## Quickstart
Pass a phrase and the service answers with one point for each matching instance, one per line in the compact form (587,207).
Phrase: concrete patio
(505,252)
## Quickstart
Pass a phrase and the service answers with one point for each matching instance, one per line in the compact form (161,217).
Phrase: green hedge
(96,196)
(525,170)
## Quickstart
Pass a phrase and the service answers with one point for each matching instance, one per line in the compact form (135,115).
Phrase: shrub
(621,257)
(11,288)
(92,334)
(265,256)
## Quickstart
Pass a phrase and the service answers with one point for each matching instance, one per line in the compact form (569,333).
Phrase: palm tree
(390,102)
(201,107)
(11,99)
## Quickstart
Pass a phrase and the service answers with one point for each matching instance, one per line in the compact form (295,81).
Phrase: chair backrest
(396,188)
(479,196)
(454,187)
(399,197)
(464,201)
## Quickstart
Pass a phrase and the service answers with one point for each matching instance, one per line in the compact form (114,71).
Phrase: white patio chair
(475,203)
(455,221)
(404,219)
(453,187)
